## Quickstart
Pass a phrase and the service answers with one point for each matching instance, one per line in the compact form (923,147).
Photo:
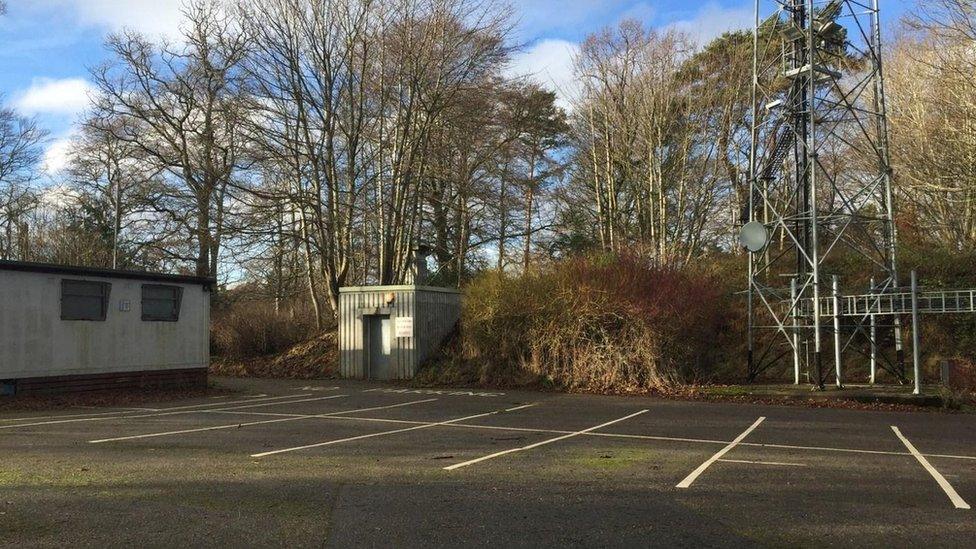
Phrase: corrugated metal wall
(435,311)
(436,315)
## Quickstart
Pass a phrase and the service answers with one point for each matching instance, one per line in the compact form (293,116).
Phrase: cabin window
(161,303)
(84,299)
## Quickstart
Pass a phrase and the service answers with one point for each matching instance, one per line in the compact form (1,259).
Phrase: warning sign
(404,326)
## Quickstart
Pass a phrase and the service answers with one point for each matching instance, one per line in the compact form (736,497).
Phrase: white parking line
(618,435)
(718,455)
(954,497)
(434,392)
(750,462)
(119,409)
(122,413)
(268,414)
(537,444)
(279,420)
(177,412)
(236,402)
(383,433)
(848,450)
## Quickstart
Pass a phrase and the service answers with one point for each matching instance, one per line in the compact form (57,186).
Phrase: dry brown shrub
(251,338)
(598,323)
(249,329)
(962,375)
(315,358)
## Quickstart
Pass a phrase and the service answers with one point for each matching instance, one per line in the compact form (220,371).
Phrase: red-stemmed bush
(607,323)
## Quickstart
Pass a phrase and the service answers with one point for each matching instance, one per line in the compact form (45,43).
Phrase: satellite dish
(754,236)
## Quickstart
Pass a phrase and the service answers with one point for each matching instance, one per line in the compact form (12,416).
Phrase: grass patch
(615,459)
(68,478)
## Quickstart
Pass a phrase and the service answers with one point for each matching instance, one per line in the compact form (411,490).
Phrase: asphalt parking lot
(355,464)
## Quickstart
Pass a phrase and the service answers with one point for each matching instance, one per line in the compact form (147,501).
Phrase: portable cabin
(78,328)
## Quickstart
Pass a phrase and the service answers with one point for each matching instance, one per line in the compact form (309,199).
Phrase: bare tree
(348,97)
(182,106)
(438,50)
(112,174)
(932,103)
(20,152)
(641,158)
(310,75)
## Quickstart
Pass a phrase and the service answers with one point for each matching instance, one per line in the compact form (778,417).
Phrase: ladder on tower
(773,165)
(782,147)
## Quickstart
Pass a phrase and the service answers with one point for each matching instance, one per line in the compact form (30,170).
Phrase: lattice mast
(820,179)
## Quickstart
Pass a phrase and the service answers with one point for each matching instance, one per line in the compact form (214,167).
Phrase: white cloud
(57,196)
(68,96)
(642,11)
(152,17)
(712,20)
(56,155)
(550,63)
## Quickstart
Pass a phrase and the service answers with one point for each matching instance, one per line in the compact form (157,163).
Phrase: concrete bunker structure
(386,332)
(68,329)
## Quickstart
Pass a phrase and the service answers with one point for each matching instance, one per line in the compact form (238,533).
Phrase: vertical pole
(874,337)
(749,352)
(810,164)
(796,332)
(879,119)
(890,230)
(806,356)
(899,345)
(837,348)
(916,352)
(752,181)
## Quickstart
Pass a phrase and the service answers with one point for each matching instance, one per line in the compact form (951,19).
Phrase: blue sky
(49,45)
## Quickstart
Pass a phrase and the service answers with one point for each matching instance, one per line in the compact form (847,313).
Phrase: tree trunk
(203,234)
(310,272)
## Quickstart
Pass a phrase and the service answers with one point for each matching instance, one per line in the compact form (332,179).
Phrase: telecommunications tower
(820,189)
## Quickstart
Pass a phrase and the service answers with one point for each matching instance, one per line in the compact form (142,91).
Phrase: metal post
(796,333)
(891,230)
(899,345)
(837,348)
(806,356)
(874,339)
(752,184)
(916,337)
(809,134)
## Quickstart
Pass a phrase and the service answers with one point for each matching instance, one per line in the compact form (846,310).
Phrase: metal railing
(912,301)
(896,302)
(899,302)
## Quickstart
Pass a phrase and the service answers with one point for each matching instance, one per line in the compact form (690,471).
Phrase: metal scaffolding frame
(820,184)
(817,102)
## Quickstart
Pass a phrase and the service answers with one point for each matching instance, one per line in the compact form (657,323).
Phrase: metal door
(380,335)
